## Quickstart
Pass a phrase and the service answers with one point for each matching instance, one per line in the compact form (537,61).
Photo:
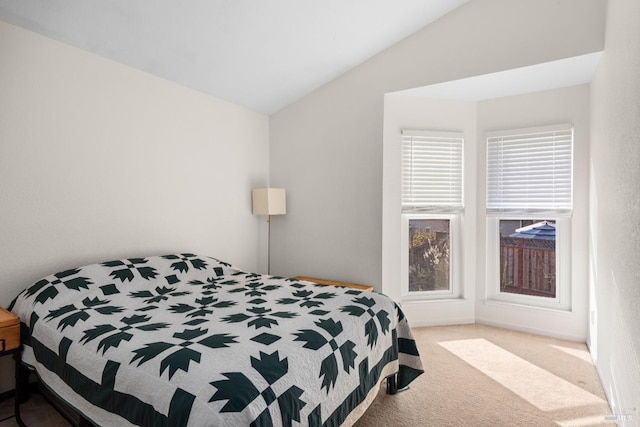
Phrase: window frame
(455,258)
(435,206)
(561,216)
(562,300)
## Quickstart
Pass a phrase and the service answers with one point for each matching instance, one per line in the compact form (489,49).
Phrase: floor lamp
(269,201)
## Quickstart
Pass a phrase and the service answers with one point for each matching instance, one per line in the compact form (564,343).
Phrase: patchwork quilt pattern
(182,339)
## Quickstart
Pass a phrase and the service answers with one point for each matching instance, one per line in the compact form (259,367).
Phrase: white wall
(615,211)
(326,149)
(559,106)
(101,161)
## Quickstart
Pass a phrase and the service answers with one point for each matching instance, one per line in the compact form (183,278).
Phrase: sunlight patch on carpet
(581,354)
(537,386)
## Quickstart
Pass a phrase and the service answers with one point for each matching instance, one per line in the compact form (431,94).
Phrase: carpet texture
(478,375)
(475,376)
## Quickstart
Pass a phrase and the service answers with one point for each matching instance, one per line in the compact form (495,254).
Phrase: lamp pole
(269,201)
(269,245)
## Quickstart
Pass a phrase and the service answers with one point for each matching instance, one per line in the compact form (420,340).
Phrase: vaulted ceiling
(262,54)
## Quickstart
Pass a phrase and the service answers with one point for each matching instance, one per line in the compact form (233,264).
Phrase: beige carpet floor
(476,376)
(483,376)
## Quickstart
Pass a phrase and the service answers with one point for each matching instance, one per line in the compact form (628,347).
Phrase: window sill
(433,300)
(520,305)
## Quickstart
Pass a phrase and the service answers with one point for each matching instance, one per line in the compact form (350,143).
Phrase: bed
(188,340)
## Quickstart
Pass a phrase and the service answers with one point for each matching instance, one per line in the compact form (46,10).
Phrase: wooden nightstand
(336,283)
(10,344)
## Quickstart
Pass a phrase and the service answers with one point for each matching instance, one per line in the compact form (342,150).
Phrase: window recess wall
(457,119)
(566,314)
(475,120)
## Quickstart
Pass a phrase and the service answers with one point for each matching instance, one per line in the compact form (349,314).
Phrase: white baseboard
(530,330)
(442,322)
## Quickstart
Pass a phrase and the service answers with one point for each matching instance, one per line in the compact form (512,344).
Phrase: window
(528,257)
(529,203)
(432,205)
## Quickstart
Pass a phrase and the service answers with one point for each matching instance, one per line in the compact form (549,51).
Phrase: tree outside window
(429,244)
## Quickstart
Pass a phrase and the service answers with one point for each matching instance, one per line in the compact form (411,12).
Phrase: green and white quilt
(182,339)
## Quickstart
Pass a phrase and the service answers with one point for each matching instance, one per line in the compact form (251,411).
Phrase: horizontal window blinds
(530,171)
(432,171)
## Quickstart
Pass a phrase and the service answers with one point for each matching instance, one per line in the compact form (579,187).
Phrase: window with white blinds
(529,171)
(432,171)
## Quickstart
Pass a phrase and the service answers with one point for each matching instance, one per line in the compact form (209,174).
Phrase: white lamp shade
(269,201)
